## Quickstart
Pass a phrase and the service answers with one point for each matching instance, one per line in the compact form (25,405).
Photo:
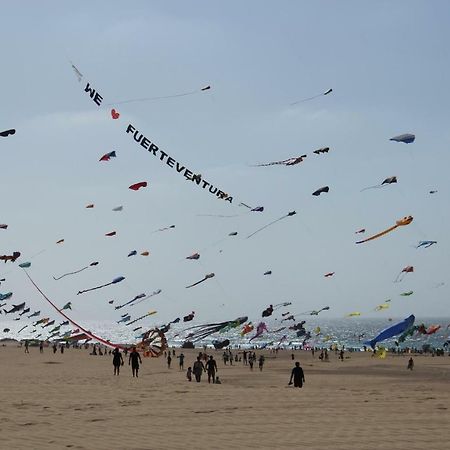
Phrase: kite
(108,156)
(432,329)
(145,253)
(60,241)
(248,327)
(15,308)
(115,114)
(382,307)
(111,233)
(268,311)
(316,313)
(405,138)
(221,344)
(11,258)
(44,320)
(132,253)
(361,231)
(393,330)
(24,311)
(78,74)
(194,256)
(145,99)
(433,192)
(258,209)
(260,328)
(291,317)
(118,208)
(353,314)
(7,133)
(23,328)
(407,294)
(124,319)
(35,314)
(165,229)
(321,191)
(90,206)
(285,162)
(329,274)
(137,297)
(233,233)
(6,330)
(92,264)
(114,281)
(385,182)
(380,352)
(189,317)
(67,306)
(202,331)
(137,186)
(321,150)
(404,271)
(269,272)
(3,226)
(207,276)
(150,313)
(25,265)
(48,324)
(137,328)
(399,223)
(426,244)
(6,296)
(63,324)
(141,299)
(289,214)
(329,91)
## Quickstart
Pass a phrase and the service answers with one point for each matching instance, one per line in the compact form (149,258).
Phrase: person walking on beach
(298,376)
(181,359)
(251,360)
(198,369)
(26,346)
(211,367)
(41,347)
(410,364)
(134,360)
(261,362)
(169,360)
(117,361)
(341,355)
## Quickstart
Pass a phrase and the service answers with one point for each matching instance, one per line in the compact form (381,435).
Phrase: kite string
(88,333)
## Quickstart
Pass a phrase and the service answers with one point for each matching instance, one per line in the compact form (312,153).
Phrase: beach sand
(72,400)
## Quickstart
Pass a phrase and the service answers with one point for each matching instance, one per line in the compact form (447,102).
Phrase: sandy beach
(72,400)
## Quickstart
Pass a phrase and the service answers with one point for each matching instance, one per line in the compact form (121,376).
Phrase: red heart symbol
(114,114)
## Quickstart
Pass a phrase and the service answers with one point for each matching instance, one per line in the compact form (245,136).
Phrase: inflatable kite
(400,223)
(321,191)
(150,313)
(392,331)
(108,156)
(137,186)
(7,133)
(207,277)
(321,150)
(202,331)
(115,281)
(404,271)
(426,244)
(405,138)
(385,182)
(11,258)
(260,328)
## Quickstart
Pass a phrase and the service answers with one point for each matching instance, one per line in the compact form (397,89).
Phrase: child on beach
(189,374)
(410,364)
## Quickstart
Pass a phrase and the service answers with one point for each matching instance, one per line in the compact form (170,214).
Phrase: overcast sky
(388,65)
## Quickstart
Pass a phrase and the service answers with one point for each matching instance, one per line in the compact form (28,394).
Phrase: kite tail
(378,235)
(376,186)
(145,99)
(195,284)
(93,289)
(265,226)
(71,273)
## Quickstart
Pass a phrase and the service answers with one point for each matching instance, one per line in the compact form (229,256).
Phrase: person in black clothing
(181,358)
(298,375)
(211,367)
(134,360)
(198,369)
(117,360)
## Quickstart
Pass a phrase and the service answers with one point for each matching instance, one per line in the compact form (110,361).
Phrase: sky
(387,63)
